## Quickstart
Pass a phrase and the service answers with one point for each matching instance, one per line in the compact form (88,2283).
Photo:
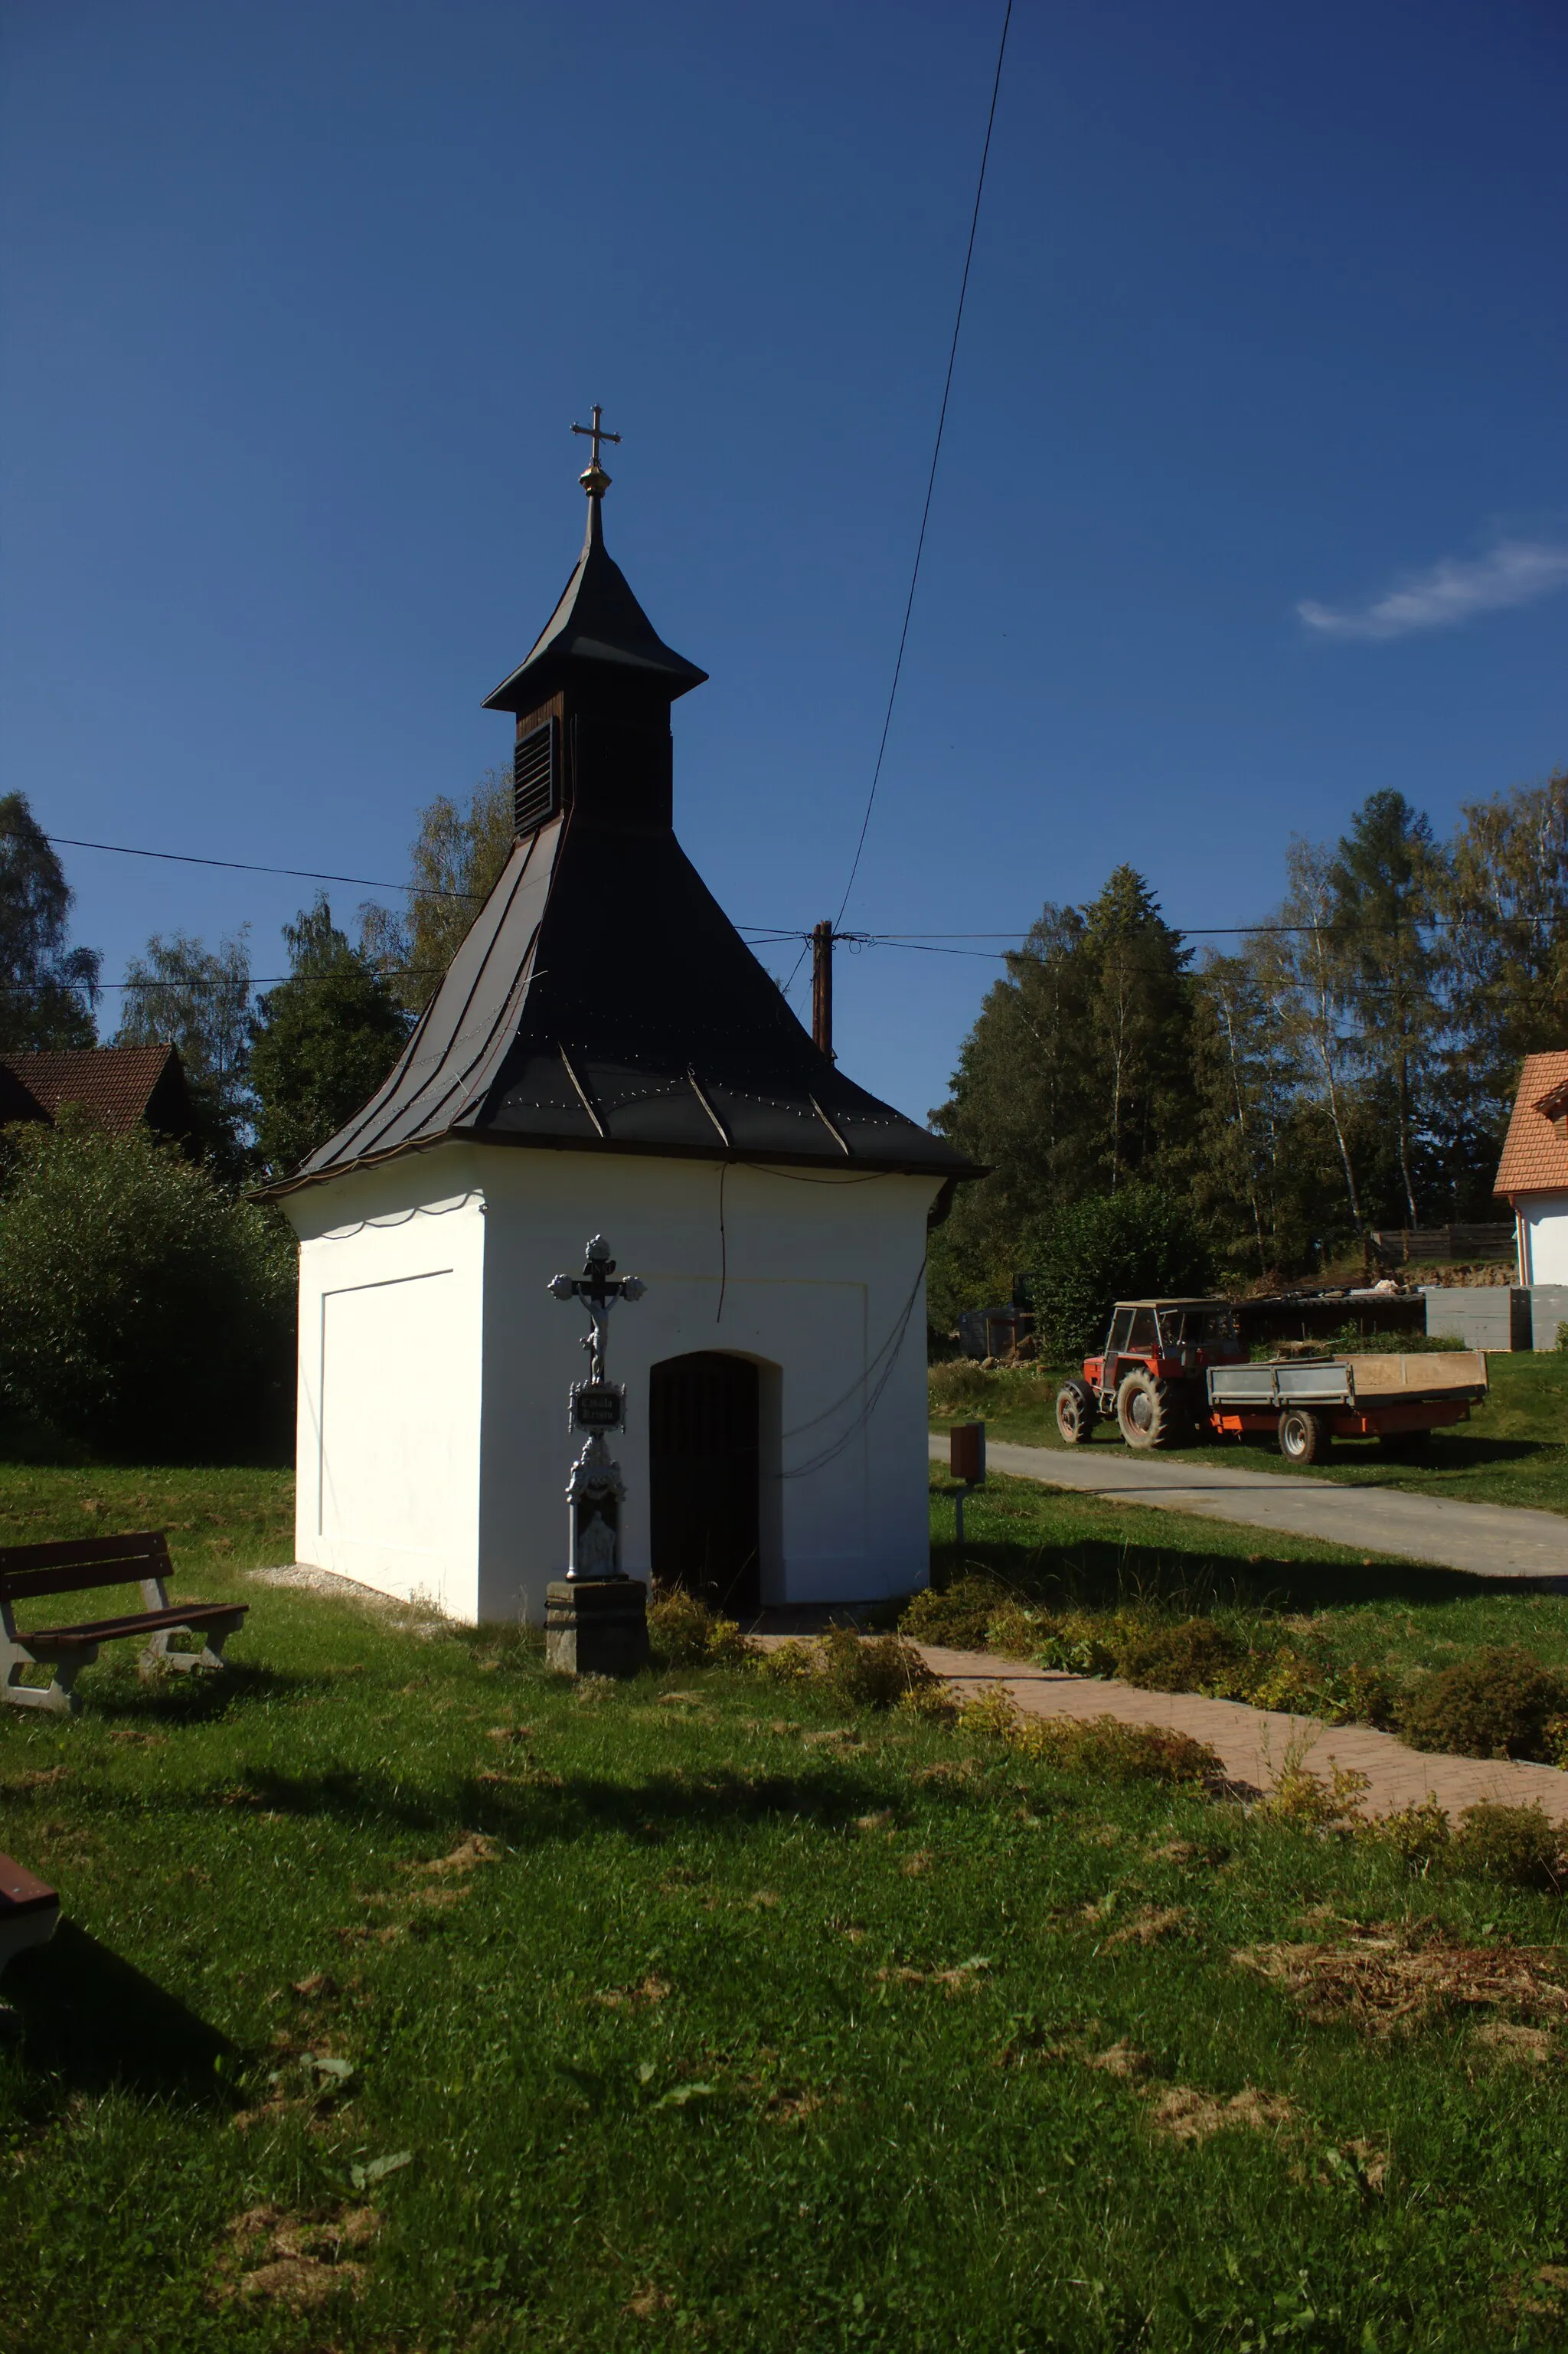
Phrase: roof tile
(1535,1154)
(114,1082)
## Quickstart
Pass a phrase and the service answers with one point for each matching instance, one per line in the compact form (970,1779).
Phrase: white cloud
(1515,572)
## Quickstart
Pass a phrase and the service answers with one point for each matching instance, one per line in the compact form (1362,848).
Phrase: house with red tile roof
(1533,1176)
(119,1086)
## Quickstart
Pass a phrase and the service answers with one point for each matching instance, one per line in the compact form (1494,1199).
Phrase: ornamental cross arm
(598,1288)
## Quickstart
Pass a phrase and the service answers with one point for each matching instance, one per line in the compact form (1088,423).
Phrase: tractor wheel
(1146,1410)
(1304,1437)
(1075,1412)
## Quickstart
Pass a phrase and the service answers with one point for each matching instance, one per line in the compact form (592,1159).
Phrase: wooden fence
(1399,1246)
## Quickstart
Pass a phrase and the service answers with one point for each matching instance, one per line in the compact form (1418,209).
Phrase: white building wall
(809,1276)
(391,1300)
(1543,1238)
(434,1367)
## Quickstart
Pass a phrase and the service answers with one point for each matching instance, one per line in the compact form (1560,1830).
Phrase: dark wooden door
(703,1477)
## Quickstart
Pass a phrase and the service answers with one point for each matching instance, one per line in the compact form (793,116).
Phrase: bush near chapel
(140,1305)
(1142,1242)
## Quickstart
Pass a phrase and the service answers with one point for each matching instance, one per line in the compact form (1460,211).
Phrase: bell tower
(592,699)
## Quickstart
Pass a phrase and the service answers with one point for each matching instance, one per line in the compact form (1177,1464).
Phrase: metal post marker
(966,1461)
(595,1492)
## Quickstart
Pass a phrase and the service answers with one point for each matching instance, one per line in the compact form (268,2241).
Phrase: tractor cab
(1170,1339)
(1149,1374)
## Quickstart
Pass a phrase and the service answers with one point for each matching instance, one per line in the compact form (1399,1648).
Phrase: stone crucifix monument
(596,1619)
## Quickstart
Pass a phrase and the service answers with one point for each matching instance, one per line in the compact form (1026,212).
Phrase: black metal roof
(598,620)
(603,1001)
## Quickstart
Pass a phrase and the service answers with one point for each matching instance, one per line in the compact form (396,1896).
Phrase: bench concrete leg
(158,1655)
(56,1697)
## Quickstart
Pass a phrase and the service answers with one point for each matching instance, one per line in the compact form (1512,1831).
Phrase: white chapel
(607,1055)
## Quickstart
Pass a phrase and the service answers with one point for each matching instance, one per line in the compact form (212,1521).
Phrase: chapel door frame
(764,1584)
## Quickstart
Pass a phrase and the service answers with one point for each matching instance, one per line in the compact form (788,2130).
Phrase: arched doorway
(704,1485)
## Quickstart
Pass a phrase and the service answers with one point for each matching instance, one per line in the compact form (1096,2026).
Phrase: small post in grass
(965,1460)
(596,1618)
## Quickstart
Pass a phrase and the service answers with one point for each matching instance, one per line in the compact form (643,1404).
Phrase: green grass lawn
(1513,1450)
(504,2014)
(1081,1551)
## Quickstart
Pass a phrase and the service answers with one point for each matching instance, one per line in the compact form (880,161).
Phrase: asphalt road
(1488,1540)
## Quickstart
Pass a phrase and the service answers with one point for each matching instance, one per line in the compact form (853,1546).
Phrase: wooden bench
(27,1571)
(29,1910)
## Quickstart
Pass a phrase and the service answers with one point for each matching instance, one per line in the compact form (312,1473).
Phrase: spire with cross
(593,478)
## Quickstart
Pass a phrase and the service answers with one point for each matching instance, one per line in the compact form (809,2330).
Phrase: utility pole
(823,987)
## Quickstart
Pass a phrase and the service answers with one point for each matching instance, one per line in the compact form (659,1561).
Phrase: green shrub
(958,1617)
(1517,1846)
(142,1307)
(1110,1751)
(861,1670)
(1496,1704)
(1303,1800)
(871,1670)
(1189,1655)
(959,1390)
(1142,1242)
(1420,1835)
(682,1632)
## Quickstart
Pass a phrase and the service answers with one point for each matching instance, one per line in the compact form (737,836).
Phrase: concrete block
(1549,1312)
(1494,1317)
(597,1626)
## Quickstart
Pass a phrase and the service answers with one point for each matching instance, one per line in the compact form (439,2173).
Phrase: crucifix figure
(593,478)
(595,1492)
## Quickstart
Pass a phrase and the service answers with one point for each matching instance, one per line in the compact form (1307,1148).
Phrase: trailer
(1175,1370)
(1308,1404)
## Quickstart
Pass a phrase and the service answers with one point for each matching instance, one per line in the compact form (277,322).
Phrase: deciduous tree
(456,860)
(198,999)
(48,989)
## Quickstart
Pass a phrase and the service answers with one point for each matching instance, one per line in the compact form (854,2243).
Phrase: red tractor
(1148,1376)
(1176,1369)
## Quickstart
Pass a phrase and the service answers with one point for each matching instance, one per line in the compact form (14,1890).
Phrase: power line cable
(931,487)
(931,478)
(236,865)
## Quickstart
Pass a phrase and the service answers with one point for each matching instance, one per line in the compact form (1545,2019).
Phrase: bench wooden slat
(22,1891)
(73,1548)
(75,1565)
(89,1564)
(140,1622)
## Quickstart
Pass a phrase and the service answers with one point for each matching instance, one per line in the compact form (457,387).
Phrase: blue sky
(1254,496)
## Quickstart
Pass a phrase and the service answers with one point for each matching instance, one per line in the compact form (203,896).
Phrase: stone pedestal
(597,1626)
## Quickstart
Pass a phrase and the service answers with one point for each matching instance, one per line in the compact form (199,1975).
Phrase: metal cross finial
(593,478)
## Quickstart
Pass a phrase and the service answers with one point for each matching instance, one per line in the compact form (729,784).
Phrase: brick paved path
(1488,1540)
(1255,1743)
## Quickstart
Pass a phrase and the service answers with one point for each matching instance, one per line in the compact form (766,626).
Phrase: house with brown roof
(119,1086)
(1533,1176)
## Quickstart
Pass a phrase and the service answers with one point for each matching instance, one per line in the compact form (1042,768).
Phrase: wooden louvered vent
(536,778)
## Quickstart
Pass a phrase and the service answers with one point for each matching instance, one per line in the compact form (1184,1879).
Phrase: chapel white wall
(809,1276)
(391,1357)
(434,1367)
